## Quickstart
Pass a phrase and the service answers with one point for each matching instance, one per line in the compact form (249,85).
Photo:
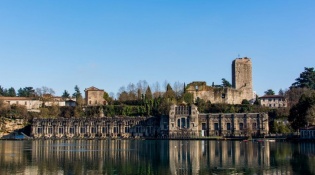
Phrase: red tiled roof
(272,96)
(92,88)
(17,98)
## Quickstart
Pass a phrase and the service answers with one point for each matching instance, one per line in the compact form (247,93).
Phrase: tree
(302,113)
(26,92)
(293,95)
(188,97)
(269,92)
(169,94)
(226,83)
(45,94)
(178,89)
(65,94)
(77,94)
(281,92)
(201,104)
(306,79)
(107,98)
(148,93)
(11,92)
(156,90)
(2,91)
(245,102)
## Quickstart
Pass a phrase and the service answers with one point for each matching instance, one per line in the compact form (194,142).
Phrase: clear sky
(109,44)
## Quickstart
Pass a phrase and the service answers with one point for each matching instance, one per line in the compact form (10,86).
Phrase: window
(115,129)
(228,126)
(254,126)
(178,122)
(203,126)
(71,130)
(90,102)
(95,101)
(61,130)
(93,130)
(82,130)
(49,130)
(25,103)
(103,129)
(183,122)
(126,129)
(241,125)
(216,126)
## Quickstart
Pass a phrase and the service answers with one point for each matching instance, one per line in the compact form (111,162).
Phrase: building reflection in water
(153,157)
(189,157)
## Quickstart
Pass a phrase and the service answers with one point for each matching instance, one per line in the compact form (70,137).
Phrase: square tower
(242,77)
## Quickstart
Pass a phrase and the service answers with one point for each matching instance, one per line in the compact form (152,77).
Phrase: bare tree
(178,89)
(165,85)
(156,90)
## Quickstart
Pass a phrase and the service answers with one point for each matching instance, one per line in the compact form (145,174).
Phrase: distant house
(94,96)
(307,132)
(54,100)
(273,101)
(71,102)
(30,103)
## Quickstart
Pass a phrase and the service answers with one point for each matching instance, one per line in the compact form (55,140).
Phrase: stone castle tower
(242,77)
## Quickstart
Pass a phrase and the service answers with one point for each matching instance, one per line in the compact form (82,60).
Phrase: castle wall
(242,86)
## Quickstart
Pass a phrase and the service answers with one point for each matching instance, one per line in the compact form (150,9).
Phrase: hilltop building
(273,101)
(242,86)
(30,103)
(94,96)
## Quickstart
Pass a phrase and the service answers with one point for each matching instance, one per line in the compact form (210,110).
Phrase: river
(155,157)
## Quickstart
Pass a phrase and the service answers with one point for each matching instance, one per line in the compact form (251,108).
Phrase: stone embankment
(10,126)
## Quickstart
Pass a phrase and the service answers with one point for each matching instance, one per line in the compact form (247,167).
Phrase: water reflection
(155,157)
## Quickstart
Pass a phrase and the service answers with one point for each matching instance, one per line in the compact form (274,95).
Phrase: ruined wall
(242,86)
(216,94)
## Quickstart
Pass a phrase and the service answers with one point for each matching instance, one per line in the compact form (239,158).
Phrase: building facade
(242,86)
(29,102)
(182,122)
(273,101)
(94,96)
(307,132)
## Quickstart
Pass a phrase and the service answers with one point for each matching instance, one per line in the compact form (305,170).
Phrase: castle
(242,86)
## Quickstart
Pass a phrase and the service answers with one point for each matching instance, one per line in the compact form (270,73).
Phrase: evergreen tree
(11,92)
(269,92)
(65,94)
(148,93)
(306,79)
(226,83)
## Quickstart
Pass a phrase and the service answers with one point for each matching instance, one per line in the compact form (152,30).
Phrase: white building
(273,101)
(30,103)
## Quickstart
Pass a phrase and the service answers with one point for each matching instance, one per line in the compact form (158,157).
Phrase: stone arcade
(183,122)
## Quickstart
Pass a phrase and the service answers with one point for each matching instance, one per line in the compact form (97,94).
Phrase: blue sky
(109,44)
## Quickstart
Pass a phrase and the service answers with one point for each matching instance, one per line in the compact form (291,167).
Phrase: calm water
(155,157)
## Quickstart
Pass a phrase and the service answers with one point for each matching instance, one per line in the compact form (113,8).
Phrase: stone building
(94,96)
(273,101)
(242,86)
(30,103)
(182,122)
